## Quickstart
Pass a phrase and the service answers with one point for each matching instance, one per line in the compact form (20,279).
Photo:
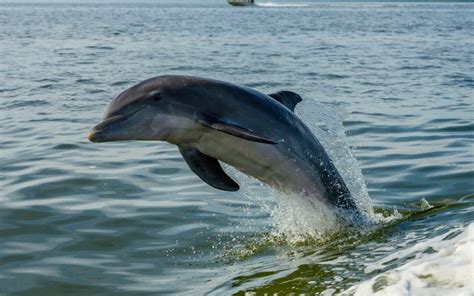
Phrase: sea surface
(387,88)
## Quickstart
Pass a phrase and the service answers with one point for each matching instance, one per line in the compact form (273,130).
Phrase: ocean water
(388,89)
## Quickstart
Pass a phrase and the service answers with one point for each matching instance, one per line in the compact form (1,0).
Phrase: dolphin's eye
(155,97)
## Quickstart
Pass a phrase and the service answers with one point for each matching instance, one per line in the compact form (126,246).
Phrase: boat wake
(282,5)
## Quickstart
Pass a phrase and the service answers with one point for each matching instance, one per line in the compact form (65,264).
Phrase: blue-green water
(130,218)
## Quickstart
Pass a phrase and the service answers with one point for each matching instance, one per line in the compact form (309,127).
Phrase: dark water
(130,218)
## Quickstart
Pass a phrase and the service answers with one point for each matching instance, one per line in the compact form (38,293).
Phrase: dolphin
(212,121)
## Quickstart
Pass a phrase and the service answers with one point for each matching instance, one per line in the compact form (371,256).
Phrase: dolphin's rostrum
(210,120)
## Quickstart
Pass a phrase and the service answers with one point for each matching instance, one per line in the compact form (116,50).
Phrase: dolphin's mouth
(99,132)
(113,128)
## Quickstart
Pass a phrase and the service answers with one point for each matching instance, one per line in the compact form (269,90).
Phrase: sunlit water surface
(387,88)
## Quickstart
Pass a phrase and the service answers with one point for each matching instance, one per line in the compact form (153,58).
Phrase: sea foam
(442,265)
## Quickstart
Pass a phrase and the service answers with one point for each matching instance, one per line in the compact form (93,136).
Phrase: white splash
(294,216)
(297,218)
(425,205)
(326,122)
(442,265)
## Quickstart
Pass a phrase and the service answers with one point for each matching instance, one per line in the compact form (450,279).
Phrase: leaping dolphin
(211,120)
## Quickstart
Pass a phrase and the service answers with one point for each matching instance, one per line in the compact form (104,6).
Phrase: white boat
(240,2)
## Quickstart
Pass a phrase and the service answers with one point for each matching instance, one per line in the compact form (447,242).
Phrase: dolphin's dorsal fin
(207,168)
(233,129)
(287,98)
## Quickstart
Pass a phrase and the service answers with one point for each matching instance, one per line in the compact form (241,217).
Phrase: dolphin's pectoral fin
(235,130)
(287,98)
(207,168)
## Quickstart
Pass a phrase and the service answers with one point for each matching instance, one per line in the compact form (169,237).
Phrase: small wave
(423,275)
(100,47)
(122,83)
(87,81)
(334,76)
(9,89)
(283,5)
(65,146)
(25,104)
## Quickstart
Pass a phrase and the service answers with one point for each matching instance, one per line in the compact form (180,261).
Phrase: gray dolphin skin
(211,120)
